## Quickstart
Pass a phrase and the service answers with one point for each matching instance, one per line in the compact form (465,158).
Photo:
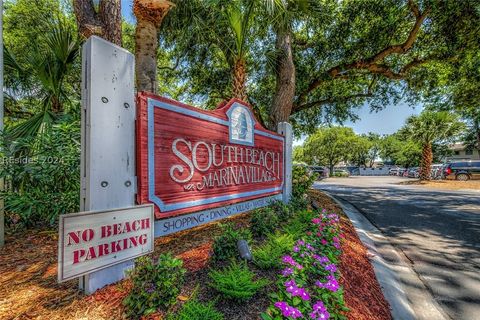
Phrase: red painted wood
(170,125)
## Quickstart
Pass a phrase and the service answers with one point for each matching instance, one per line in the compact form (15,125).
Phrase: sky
(127,11)
(386,121)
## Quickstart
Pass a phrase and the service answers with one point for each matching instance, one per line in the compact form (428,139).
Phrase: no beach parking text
(91,241)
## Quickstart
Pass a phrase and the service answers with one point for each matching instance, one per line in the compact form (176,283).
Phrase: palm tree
(44,78)
(225,24)
(430,127)
(149,16)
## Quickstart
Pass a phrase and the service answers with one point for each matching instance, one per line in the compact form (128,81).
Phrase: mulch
(29,288)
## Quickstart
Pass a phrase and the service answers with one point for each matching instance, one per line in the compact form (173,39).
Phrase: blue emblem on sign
(241,125)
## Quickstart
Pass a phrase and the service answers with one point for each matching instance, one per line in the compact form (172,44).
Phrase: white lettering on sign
(89,241)
(239,165)
(171,225)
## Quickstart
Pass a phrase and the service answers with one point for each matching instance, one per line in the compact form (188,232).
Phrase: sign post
(285,129)
(108,140)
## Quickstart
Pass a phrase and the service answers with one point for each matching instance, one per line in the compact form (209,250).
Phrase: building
(461,152)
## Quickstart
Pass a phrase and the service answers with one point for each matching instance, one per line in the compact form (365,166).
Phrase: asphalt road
(438,231)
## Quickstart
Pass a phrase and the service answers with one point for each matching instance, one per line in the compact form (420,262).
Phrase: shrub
(42,176)
(268,255)
(302,180)
(195,310)
(155,286)
(236,281)
(284,211)
(264,221)
(299,224)
(225,245)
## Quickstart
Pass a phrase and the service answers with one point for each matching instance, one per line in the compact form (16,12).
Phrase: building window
(469,152)
(457,153)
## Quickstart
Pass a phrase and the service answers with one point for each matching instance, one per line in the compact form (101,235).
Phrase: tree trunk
(285,80)
(427,157)
(107,23)
(146,42)
(239,75)
(149,16)
(110,12)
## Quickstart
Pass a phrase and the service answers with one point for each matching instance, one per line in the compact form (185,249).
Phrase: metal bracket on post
(108,139)
(285,129)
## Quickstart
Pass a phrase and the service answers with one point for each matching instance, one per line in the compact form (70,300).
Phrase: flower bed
(308,285)
(311,284)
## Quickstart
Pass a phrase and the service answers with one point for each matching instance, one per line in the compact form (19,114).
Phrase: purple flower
(319,311)
(287,271)
(300,242)
(289,260)
(322,259)
(296,249)
(336,245)
(331,267)
(309,247)
(287,310)
(295,291)
(331,284)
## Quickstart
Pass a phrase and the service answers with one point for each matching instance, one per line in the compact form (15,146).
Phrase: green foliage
(430,127)
(236,282)
(42,176)
(302,180)
(284,211)
(342,54)
(268,255)
(329,146)
(264,221)
(196,310)
(340,174)
(155,286)
(225,245)
(297,226)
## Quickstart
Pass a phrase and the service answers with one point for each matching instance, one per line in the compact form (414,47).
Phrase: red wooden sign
(189,159)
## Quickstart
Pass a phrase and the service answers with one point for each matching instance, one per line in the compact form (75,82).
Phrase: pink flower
(324,242)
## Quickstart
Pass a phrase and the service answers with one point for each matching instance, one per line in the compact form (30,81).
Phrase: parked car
(321,171)
(436,171)
(396,172)
(413,172)
(462,170)
(393,171)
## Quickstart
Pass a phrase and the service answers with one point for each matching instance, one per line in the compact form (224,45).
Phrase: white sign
(90,241)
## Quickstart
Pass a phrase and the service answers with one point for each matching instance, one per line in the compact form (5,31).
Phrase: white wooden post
(285,129)
(108,139)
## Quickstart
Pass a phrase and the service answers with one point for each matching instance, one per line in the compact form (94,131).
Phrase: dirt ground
(29,288)
(447,184)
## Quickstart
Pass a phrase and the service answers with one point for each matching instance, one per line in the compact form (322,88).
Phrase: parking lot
(438,231)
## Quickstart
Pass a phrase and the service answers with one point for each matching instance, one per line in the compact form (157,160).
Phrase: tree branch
(87,19)
(331,100)
(372,63)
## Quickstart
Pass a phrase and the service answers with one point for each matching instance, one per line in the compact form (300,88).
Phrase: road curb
(392,271)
